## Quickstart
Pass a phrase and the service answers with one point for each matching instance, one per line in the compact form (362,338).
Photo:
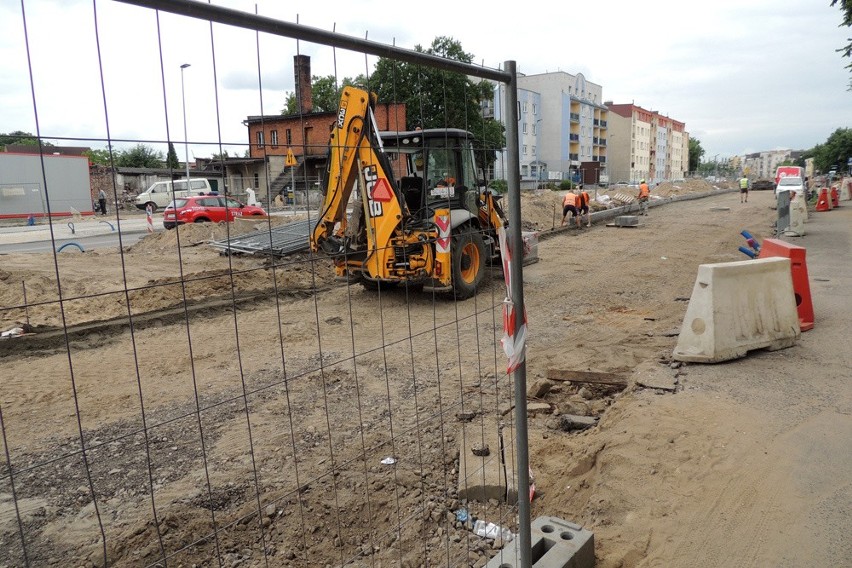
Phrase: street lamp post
(185,138)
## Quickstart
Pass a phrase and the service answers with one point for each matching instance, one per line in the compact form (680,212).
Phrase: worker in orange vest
(642,198)
(583,209)
(569,205)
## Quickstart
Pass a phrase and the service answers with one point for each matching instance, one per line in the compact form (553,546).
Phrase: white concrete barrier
(737,307)
(845,191)
(798,216)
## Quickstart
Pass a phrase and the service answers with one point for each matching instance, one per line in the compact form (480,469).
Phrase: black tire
(202,220)
(374,286)
(467,263)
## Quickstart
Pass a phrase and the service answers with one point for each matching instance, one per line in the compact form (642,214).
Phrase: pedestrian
(744,190)
(643,196)
(102,201)
(569,205)
(583,209)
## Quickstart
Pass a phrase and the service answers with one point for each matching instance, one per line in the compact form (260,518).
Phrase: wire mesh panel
(167,400)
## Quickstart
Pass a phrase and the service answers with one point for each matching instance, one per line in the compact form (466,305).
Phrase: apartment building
(566,131)
(646,145)
(762,165)
(562,130)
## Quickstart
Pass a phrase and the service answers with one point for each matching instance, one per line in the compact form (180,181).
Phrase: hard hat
(643,181)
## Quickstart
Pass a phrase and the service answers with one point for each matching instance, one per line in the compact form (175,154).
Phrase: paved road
(89,232)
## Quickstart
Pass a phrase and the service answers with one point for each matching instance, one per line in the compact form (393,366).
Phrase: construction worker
(643,196)
(744,190)
(583,209)
(569,204)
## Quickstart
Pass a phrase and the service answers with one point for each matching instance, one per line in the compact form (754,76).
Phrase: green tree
(140,156)
(696,152)
(171,158)
(439,99)
(20,137)
(101,157)
(325,95)
(846,8)
(835,152)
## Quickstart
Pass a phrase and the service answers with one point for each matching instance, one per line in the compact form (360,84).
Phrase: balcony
(574,137)
(575,117)
(574,157)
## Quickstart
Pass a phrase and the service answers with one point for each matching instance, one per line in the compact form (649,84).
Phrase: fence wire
(175,406)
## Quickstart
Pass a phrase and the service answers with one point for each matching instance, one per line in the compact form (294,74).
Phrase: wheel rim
(469,262)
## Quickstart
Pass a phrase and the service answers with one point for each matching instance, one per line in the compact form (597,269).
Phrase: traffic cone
(823,201)
(835,197)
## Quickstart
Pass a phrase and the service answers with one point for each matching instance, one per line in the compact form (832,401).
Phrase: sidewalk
(67,228)
(91,226)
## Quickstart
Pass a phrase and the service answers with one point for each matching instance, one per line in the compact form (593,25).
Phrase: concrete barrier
(846,189)
(798,214)
(737,307)
(555,543)
(782,222)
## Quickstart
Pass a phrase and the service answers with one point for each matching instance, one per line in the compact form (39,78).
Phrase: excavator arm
(356,159)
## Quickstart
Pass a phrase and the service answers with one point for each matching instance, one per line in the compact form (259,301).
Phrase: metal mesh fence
(166,404)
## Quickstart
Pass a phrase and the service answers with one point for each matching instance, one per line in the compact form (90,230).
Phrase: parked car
(207,208)
(161,192)
(763,184)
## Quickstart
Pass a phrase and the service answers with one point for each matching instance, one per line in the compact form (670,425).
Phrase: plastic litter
(492,531)
(389,461)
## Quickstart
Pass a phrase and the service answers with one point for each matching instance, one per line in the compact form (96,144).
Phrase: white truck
(161,193)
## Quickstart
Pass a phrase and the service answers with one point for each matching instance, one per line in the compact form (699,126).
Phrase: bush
(499,185)
(566,184)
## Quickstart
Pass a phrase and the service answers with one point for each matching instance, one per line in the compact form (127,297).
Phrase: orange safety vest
(584,198)
(569,199)
(643,190)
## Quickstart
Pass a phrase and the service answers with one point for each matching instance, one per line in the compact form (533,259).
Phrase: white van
(790,183)
(159,195)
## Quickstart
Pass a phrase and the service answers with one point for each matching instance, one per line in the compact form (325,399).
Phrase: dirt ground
(237,414)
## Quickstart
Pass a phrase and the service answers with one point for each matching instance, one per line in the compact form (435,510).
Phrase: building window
(260,139)
(525,149)
(257,180)
(525,107)
(289,136)
(525,128)
(273,138)
(535,111)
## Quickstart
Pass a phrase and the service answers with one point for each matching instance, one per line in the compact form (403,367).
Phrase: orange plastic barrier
(823,201)
(835,197)
(799,271)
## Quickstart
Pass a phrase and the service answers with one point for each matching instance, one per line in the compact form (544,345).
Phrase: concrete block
(484,477)
(627,221)
(530,247)
(737,307)
(556,543)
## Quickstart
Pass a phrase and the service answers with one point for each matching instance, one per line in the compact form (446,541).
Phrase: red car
(207,208)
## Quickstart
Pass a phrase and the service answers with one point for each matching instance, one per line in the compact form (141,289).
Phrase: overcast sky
(743,75)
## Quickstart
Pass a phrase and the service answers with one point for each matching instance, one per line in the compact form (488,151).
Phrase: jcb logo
(341,115)
(370,177)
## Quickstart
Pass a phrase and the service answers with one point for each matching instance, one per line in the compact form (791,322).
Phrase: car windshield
(790,181)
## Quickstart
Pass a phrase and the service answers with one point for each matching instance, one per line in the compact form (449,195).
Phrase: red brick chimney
(302,68)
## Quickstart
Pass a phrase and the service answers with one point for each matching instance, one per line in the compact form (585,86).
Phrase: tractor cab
(434,168)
